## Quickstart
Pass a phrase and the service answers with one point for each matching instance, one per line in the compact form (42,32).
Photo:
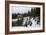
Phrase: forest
(35,12)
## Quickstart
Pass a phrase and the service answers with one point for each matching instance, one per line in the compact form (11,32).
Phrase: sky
(17,9)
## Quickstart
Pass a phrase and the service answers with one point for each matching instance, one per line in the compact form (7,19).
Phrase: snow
(34,23)
(27,19)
